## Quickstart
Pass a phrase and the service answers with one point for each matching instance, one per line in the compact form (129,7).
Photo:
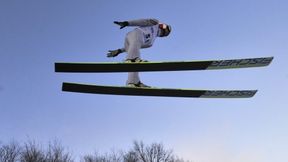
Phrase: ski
(160,92)
(162,66)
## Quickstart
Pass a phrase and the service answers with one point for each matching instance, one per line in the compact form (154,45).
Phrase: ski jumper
(143,36)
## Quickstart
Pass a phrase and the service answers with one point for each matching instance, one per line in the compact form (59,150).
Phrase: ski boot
(135,60)
(138,85)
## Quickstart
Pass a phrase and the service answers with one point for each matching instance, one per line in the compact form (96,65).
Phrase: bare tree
(95,158)
(130,156)
(56,153)
(112,157)
(32,152)
(153,153)
(10,152)
(140,151)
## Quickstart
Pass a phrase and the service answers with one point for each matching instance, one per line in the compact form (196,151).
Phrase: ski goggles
(166,29)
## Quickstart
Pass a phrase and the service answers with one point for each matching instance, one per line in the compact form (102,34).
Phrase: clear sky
(34,34)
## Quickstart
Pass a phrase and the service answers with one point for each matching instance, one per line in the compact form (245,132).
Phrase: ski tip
(270,59)
(253,93)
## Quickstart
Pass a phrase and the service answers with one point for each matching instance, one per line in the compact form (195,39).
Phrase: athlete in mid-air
(143,36)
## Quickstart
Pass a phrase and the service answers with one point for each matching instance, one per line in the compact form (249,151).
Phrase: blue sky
(35,34)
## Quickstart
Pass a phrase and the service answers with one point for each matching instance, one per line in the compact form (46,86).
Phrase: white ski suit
(143,36)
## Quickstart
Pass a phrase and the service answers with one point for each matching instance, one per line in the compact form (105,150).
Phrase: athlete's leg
(133,43)
(132,46)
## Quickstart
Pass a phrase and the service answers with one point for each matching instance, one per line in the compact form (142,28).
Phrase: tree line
(32,152)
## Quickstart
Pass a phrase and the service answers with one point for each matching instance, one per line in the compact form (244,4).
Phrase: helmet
(165,30)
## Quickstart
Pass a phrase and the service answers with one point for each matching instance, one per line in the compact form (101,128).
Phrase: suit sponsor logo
(242,62)
(229,93)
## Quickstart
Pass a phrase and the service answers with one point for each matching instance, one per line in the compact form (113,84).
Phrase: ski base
(162,66)
(160,92)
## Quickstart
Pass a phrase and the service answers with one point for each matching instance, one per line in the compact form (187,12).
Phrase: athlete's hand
(122,24)
(114,53)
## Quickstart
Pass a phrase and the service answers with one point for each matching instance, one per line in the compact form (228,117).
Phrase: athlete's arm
(114,53)
(138,22)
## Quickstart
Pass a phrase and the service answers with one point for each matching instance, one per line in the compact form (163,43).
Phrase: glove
(122,24)
(114,53)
